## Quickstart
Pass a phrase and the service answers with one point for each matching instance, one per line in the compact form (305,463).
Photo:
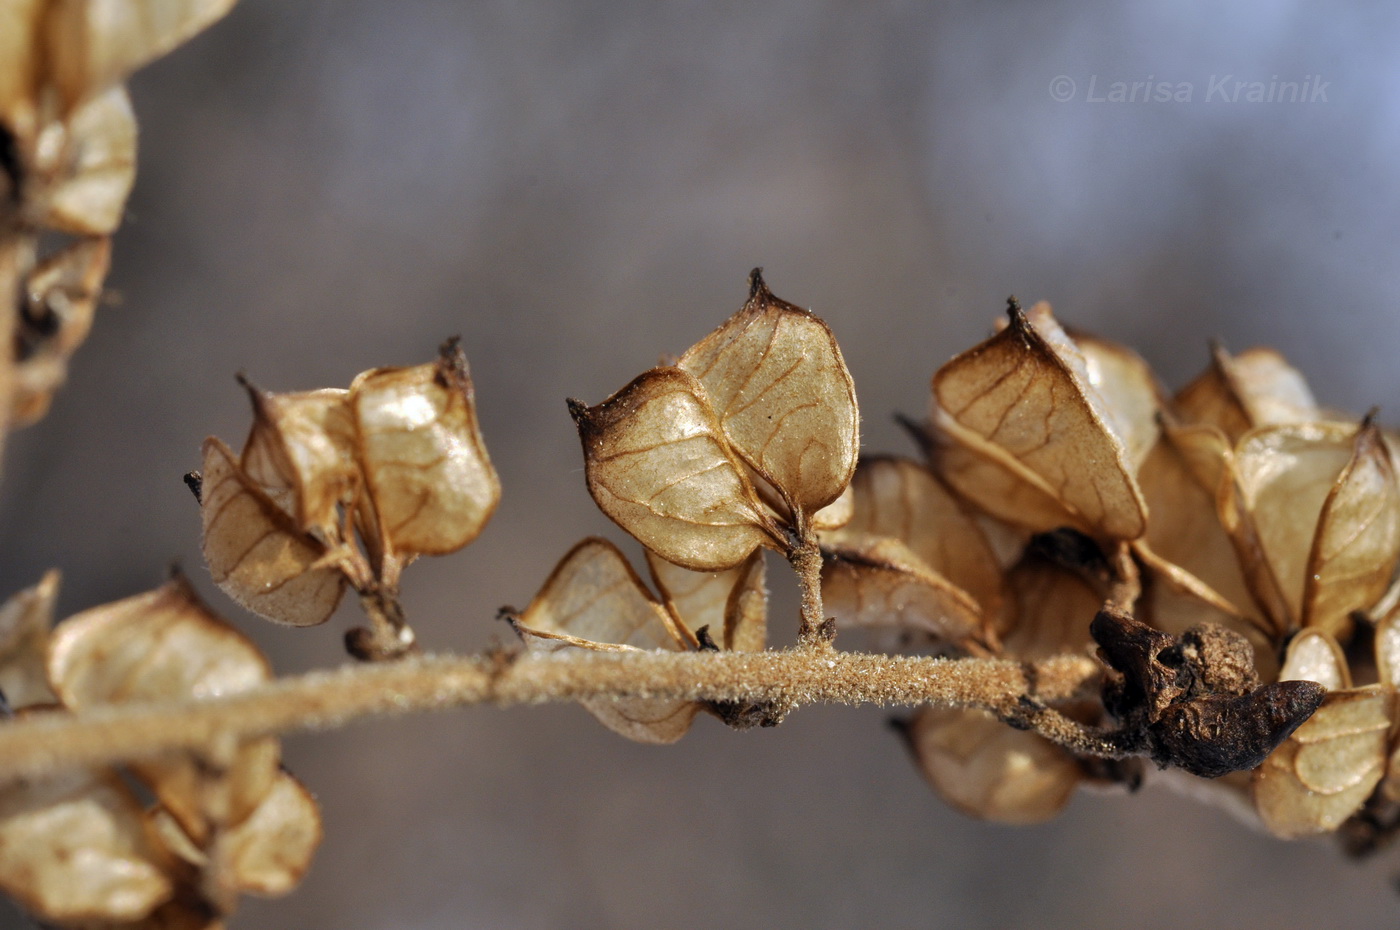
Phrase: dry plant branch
(329,699)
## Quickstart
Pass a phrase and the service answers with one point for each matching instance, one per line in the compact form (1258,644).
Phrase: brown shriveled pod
(74,848)
(25,621)
(988,770)
(1024,437)
(776,380)
(165,645)
(256,553)
(594,600)
(1326,770)
(426,470)
(1237,393)
(658,463)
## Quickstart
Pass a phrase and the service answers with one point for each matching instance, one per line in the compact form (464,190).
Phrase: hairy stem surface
(41,743)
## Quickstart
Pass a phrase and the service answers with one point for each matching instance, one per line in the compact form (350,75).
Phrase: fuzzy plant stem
(1019,693)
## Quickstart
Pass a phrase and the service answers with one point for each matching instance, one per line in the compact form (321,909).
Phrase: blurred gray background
(578,188)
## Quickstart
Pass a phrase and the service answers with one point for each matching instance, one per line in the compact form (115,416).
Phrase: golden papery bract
(1021,396)
(1241,392)
(425,464)
(19,58)
(166,646)
(59,298)
(837,513)
(93,44)
(304,443)
(775,378)
(594,597)
(1357,545)
(878,582)
(1313,655)
(988,770)
(1327,769)
(269,852)
(1049,610)
(903,500)
(255,552)
(1182,480)
(74,847)
(658,463)
(25,620)
(84,169)
(732,603)
(1307,506)
(1130,393)
(988,477)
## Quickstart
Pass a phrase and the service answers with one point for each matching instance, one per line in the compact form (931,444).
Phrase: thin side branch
(1017,692)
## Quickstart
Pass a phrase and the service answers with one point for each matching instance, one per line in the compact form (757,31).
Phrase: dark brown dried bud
(1194,702)
(1219,734)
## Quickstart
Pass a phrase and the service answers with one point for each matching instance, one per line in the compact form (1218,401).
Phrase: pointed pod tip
(195,482)
(757,285)
(578,410)
(1368,422)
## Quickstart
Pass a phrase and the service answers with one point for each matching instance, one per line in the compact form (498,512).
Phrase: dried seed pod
(733,603)
(593,600)
(167,646)
(60,297)
(25,620)
(425,464)
(1322,502)
(82,170)
(1042,428)
(903,500)
(877,582)
(302,450)
(837,513)
(255,552)
(1130,394)
(74,847)
(93,44)
(1048,611)
(1242,392)
(776,380)
(989,770)
(658,463)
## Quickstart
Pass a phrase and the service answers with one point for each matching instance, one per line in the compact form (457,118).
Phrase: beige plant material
(256,553)
(166,646)
(878,582)
(1326,770)
(301,454)
(74,847)
(82,170)
(1025,437)
(901,499)
(1131,394)
(60,296)
(1320,502)
(1238,393)
(988,770)
(785,401)
(93,44)
(25,620)
(594,601)
(732,604)
(426,471)
(658,463)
